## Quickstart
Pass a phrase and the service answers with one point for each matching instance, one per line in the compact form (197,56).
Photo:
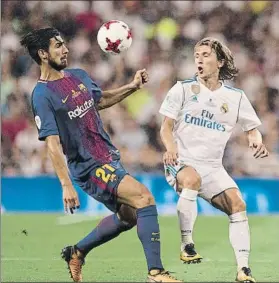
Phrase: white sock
(187,213)
(240,238)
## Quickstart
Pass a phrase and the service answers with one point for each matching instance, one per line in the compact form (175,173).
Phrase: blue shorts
(103,183)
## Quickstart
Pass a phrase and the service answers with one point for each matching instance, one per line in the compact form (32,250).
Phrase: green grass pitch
(35,257)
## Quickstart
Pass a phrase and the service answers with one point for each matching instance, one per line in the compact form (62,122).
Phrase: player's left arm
(111,97)
(249,121)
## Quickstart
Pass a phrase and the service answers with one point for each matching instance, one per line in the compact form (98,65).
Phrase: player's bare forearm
(167,135)
(57,158)
(111,97)
(171,155)
(114,96)
(254,135)
(70,197)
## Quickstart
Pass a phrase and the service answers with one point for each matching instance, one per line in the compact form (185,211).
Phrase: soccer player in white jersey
(199,117)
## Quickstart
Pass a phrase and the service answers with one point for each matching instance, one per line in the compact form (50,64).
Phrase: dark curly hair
(38,39)
(228,71)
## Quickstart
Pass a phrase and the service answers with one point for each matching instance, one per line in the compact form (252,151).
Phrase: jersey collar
(203,86)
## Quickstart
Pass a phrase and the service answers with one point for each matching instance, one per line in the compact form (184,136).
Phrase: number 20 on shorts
(101,172)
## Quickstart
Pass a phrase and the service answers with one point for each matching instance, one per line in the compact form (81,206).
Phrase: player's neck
(211,83)
(50,74)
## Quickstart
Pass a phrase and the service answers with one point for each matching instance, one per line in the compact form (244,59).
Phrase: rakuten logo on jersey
(80,111)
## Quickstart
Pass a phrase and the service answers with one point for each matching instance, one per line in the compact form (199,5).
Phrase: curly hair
(228,71)
(38,39)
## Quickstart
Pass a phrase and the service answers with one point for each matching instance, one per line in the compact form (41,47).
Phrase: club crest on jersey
(224,108)
(82,87)
(195,89)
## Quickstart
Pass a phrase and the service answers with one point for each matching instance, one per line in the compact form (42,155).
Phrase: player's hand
(70,198)
(170,157)
(259,149)
(141,78)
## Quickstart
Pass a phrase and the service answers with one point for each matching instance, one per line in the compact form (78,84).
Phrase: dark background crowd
(164,33)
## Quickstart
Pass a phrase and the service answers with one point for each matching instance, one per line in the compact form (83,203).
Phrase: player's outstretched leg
(188,184)
(231,202)
(136,195)
(109,228)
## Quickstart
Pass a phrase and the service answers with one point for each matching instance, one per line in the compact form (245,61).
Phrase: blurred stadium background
(164,33)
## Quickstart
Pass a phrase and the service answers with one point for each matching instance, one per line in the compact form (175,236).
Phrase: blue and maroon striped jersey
(66,107)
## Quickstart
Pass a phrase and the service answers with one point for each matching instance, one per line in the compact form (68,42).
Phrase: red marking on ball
(129,34)
(107,25)
(113,46)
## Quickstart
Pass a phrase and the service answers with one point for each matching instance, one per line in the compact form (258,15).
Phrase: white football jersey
(204,119)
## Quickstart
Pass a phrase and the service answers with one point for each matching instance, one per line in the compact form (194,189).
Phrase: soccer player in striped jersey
(66,104)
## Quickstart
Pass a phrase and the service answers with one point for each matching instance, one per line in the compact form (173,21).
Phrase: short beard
(55,66)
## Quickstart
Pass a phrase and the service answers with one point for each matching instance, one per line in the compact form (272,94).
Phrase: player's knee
(188,178)
(144,200)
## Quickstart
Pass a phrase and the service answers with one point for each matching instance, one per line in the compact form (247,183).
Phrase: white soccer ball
(114,37)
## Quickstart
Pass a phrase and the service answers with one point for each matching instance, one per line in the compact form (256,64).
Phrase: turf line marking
(72,219)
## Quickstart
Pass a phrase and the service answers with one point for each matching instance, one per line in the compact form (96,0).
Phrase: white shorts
(215,180)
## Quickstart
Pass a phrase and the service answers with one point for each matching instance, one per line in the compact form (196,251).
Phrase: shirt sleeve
(247,117)
(171,105)
(44,116)
(95,89)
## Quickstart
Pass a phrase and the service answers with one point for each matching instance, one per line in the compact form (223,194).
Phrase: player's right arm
(70,197)
(171,154)
(170,109)
(48,131)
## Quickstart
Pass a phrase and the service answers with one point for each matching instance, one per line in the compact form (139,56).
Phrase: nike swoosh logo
(84,113)
(65,99)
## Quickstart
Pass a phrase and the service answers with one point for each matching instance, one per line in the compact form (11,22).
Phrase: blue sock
(149,234)
(109,228)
